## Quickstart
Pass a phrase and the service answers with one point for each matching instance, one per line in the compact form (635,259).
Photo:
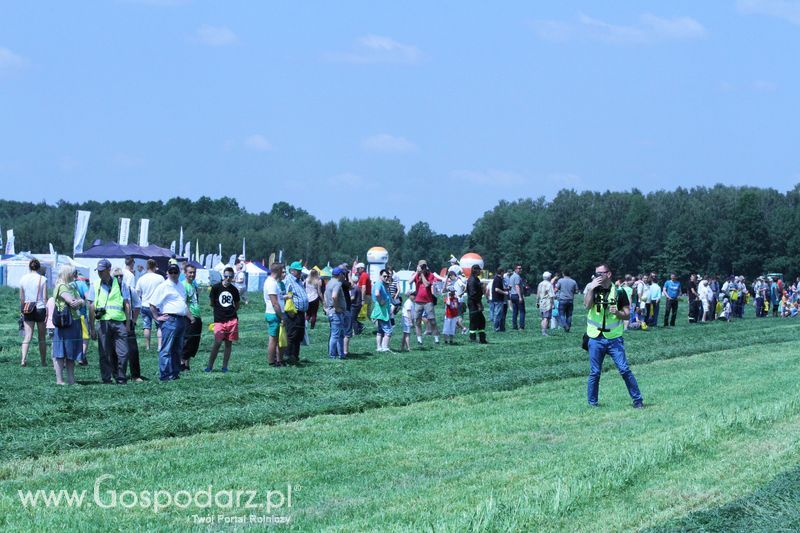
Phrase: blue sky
(429,111)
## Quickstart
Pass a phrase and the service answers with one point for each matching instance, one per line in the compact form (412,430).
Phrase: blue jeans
(336,342)
(169,356)
(598,348)
(498,317)
(518,313)
(565,314)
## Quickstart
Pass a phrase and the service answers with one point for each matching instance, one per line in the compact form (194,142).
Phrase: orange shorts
(226,331)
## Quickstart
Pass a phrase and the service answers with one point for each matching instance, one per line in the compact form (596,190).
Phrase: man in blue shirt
(672,290)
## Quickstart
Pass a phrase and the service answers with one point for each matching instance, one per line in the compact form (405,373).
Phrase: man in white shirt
(168,307)
(273,313)
(240,280)
(145,287)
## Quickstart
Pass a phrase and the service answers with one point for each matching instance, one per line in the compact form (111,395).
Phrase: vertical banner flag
(232,260)
(52,250)
(180,240)
(144,230)
(10,242)
(172,247)
(243,253)
(124,230)
(81,225)
(1,240)
(209,261)
(187,252)
(202,259)
(197,250)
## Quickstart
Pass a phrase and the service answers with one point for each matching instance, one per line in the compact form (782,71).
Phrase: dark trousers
(355,310)
(191,338)
(565,314)
(652,313)
(133,355)
(112,344)
(295,331)
(518,312)
(672,308)
(477,322)
(695,308)
(311,314)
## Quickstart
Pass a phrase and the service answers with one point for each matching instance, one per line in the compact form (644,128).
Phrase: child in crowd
(451,311)
(51,309)
(726,310)
(408,321)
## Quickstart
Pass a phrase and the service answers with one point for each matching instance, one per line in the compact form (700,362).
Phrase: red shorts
(226,331)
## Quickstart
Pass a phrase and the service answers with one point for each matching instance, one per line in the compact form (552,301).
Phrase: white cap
(547,275)
(360,265)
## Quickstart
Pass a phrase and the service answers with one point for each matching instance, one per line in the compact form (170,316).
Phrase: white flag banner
(1,241)
(52,250)
(202,259)
(232,260)
(124,230)
(172,247)
(10,242)
(188,250)
(196,250)
(144,230)
(209,261)
(180,240)
(81,225)
(243,252)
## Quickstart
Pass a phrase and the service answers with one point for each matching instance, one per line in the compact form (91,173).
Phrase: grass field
(469,437)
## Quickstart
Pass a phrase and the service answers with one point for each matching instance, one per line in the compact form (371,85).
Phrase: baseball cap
(360,265)
(103,264)
(337,271)
(297,265)
(422,262)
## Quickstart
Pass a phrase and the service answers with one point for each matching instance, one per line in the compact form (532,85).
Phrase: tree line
(719,230)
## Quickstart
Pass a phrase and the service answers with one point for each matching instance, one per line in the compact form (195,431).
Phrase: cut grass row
(534,458)
(39,418)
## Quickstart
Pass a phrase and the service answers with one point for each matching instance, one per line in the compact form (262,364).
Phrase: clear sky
(427,111)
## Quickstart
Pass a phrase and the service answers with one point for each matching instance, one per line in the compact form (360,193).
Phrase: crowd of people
(108,311)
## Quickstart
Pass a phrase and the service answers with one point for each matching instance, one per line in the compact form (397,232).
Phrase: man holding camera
(110,308)
(424,300)
(607,308)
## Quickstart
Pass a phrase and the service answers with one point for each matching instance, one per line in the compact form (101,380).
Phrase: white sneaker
(436,340)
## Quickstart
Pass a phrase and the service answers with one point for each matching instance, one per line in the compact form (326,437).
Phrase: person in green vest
(607,308)
(110,309)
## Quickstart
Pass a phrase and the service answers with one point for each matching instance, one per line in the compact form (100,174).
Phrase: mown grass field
(468,437)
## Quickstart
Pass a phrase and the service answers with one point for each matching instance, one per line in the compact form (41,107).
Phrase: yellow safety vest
(602,321)
(113,303)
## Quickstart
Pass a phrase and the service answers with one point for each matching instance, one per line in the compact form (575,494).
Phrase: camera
(601,298)
(99,313)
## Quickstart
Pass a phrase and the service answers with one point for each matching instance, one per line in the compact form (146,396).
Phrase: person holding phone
(607,308)
(424,300)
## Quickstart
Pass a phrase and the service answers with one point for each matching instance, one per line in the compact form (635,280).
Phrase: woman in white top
(706,296)
(33,306)
(544,300)
(313,284)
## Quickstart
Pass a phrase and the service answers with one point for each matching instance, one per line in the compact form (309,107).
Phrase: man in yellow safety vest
(607,308)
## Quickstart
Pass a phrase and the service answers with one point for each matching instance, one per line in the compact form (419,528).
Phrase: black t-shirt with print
(224,301)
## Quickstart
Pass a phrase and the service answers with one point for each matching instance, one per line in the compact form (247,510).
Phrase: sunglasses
(228,276)
(598,273)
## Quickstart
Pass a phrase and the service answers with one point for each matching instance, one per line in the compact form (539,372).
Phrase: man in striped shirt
(295,319)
